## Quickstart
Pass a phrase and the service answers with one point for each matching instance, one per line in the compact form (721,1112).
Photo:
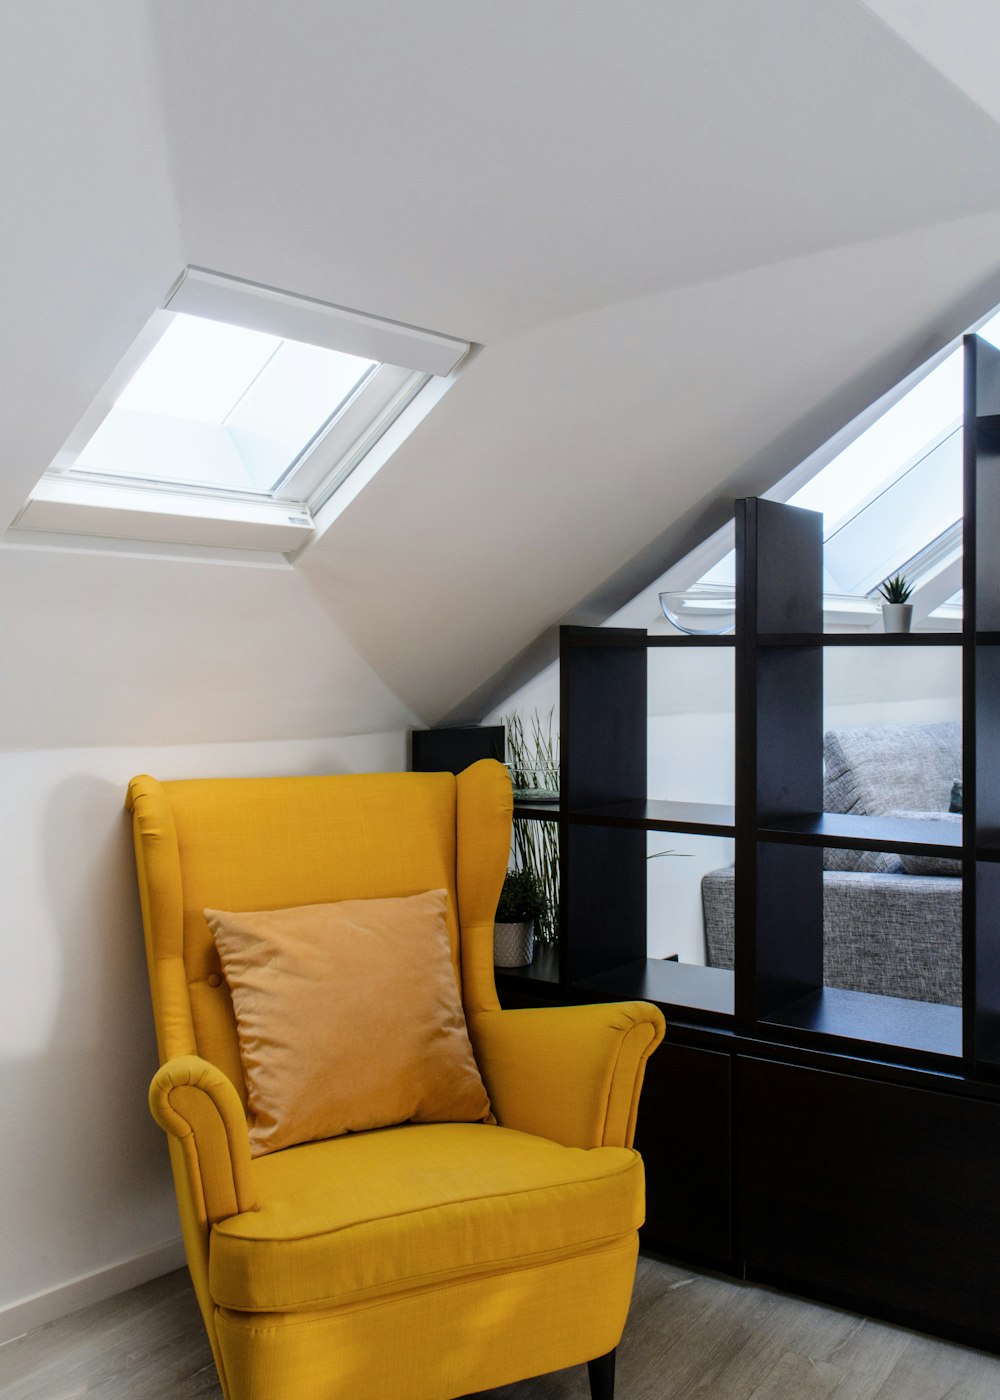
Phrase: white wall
(86,1202)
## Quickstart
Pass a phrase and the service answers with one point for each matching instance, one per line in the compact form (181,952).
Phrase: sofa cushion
(349,1017)
(412,1207)
(930,865)
(878,769)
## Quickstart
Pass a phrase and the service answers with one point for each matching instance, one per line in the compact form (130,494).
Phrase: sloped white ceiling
(960,38)
(692,239)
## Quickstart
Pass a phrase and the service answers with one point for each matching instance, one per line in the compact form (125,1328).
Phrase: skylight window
(222,407)
(892,499)
(235,416)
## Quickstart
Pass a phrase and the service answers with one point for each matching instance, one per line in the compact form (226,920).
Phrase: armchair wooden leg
(602,1377)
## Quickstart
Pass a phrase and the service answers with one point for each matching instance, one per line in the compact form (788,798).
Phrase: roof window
(234,418)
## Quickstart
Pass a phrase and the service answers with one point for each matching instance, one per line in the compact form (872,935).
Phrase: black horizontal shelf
(860,639)
(544,966)
(669,984)
(880,1022)
(867,833)
(694,818)
(537,811)
(663,639)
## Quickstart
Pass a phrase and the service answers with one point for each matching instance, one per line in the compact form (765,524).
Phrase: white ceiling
(693,240)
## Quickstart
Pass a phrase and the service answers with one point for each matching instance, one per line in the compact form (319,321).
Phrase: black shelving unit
(833,1143)
(777,817)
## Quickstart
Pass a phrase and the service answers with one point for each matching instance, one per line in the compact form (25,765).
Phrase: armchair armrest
(570,1073)
(196,1104)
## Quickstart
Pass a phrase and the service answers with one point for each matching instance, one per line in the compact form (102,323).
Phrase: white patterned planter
(513,944)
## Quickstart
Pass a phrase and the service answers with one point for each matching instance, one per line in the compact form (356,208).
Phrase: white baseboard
(25,1316)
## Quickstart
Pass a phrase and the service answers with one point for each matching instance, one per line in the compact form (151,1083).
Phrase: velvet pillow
(349,1017)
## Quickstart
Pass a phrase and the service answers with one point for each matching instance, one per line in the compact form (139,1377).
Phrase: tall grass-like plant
(533,763)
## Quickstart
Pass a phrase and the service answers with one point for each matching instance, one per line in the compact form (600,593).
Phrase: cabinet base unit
(683,1135)
(879,1193)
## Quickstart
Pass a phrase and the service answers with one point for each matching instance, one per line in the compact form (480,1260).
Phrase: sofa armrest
(569,1073)
(886,933)
(196,1104)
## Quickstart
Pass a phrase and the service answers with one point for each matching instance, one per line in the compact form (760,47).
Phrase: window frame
(75,500)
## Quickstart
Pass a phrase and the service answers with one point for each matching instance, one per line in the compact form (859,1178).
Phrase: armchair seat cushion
(412,1207)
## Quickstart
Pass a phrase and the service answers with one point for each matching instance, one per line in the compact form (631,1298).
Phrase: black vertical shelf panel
(603,744)
(981,702)
(779,766)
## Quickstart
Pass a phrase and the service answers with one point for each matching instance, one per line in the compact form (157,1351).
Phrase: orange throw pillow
(349,1017)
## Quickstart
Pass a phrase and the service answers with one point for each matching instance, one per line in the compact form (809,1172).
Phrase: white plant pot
(896,617)
(513,944)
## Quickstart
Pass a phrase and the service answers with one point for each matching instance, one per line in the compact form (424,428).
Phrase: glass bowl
(707,610)
(534,784)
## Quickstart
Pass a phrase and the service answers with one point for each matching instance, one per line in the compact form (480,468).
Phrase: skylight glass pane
(911,512)
(197,370)
(219,406)
(883,451)
(298,389)
(893,490)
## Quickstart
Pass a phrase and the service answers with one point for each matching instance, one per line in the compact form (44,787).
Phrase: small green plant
(522,899)
(896,589)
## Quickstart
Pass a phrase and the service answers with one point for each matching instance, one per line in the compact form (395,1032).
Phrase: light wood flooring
(690,1336)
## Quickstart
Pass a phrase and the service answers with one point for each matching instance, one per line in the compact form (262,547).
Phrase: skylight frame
(73,498)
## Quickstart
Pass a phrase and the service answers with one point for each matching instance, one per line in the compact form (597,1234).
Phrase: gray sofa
(892,925)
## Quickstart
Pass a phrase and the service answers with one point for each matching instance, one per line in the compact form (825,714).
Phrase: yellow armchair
(422,1261)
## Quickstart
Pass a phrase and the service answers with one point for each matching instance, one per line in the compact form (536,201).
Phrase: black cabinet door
(683,1133)
(868,1191)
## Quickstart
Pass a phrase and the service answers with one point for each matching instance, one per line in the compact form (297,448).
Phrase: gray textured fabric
(887,768)
(892,768)
(891,935)
(866,862)
(930,865)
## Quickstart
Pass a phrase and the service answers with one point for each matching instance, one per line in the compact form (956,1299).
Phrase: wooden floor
(689,1337)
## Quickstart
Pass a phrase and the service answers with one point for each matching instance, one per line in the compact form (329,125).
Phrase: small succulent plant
(895,589)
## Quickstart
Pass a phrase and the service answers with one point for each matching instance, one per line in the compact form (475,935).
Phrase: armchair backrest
(272,843)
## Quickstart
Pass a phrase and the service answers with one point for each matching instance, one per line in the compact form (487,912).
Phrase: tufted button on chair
(418,1261)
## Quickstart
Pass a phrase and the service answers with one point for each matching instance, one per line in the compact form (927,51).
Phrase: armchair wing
(568,1073)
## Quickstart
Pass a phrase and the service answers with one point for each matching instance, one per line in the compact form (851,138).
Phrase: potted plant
(522,901)
(897,612)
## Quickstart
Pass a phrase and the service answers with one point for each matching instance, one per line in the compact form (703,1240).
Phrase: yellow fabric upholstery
(570,1073)
(414,1207)
(197,1104)
(419,1262)
(437,1342)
